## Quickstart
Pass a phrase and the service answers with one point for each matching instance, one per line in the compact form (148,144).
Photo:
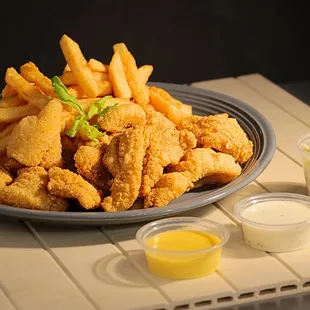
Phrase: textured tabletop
(103,268)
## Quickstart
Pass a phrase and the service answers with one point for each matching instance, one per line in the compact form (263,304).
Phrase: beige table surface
(45,268)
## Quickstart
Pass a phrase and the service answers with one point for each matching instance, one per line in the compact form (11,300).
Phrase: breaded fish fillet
(66,184)
(5,178)
(196,164)
(124,157)
(34,135)
(169,187)
(88,161)
(29,191)
(167,146)
(122,117)
(220,132)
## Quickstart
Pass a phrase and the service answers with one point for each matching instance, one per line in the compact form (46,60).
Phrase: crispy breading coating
(125,159)
(29,191)
(66,184)
(34,135)
(220,132)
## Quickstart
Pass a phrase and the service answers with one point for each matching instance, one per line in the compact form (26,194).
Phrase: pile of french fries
(27,92)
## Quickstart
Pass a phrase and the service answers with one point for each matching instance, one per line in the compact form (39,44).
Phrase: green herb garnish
(81,121)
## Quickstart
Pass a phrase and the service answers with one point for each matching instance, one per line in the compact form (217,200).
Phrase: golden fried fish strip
(124,116)
(127,180)
(29,191)
(221,133)
(169,187)
(196,164)
(88,161)
(66,184)
(5,178)
(203,162)
(164,149)
(52,157)
(34,135)
(111,159)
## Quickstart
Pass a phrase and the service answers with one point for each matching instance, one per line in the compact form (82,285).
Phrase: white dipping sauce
(273,228)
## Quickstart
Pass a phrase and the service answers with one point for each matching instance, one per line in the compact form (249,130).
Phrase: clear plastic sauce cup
(182,247)
(275,222)
(304,148)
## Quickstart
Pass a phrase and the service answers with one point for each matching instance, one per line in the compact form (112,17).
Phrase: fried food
(79,67)
(145,72)
(124,158)
(53,156)
(164,103)
(29,191)
(11,165)
(5,178)
(88,161)
(118,78)
(203,162)
(169,187)
(34,135)
(25,89)
(196,164)
(5,137)
(140,91)
(8,91)
(97,136)
(124,116)
(13,114)
(68,151)
(33,75)
(10,102)
(221,133)
(97,66)
(69,79)
(66,184)
(164,149)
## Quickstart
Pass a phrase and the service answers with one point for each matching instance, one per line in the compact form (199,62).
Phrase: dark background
(185,41)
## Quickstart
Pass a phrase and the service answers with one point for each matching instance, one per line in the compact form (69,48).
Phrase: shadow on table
(115,269)
(288,187)
(19,234)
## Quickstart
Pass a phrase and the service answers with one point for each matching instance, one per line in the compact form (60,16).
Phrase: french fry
(33,75)
(160,101)
(69,79)
(79,67)
(118,78)
(9,102)
(97,66)
(105,88)
(121,48)
(67,68)
(25,89)
(140,91)
(77,92)
(8,91)
(5,135)
(17,113)
(145,73)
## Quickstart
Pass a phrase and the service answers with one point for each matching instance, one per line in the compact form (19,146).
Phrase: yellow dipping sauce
(183,259)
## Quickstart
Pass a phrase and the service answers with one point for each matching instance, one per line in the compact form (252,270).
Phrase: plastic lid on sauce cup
(182,264)
(274,237)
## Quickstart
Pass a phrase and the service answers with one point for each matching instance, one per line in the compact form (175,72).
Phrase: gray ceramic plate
(204,102)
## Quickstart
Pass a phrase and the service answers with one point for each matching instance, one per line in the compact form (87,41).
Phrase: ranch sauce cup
(275,222)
